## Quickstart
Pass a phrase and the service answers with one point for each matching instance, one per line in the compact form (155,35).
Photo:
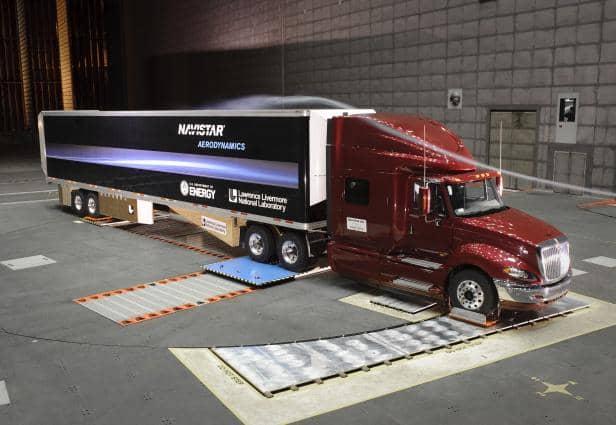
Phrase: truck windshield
(474,198)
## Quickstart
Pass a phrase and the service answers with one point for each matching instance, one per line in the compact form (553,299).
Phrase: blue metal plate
(245,270)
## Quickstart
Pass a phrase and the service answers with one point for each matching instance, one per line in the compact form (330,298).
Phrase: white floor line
(27,193)
(602,261)
(28,202)
(4,394)
(577,272)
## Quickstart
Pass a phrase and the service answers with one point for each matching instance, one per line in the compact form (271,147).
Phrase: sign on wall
(566,118)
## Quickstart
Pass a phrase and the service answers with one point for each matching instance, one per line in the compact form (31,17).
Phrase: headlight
(520,274)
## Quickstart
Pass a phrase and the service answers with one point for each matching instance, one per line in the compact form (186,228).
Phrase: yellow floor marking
(362,299)
(252,408)
(558,389)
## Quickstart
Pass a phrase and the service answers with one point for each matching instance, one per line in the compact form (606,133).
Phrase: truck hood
(511,224)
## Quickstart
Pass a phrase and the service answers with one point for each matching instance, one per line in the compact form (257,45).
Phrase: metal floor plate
(163,297)
(405,304)
(27,262)
(276,367)
(245,270)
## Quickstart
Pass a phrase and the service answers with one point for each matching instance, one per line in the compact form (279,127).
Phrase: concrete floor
(63,364)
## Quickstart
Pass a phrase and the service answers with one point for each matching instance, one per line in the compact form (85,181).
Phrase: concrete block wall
(403,56)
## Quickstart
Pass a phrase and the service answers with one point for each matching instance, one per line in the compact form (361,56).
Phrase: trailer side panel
(256,165)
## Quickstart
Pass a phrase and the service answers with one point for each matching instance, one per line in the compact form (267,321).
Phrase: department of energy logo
(184,188)
(197,190)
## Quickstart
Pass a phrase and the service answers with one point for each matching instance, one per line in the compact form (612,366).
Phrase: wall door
(570,167)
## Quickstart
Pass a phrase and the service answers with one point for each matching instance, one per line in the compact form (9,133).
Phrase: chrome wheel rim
(470,295)
(91,206)
(255,243)
(78,203)
(289,252)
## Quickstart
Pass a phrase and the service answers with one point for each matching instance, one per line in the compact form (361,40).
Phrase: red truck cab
(464,247)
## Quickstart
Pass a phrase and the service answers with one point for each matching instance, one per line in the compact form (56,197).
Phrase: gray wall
(393,56)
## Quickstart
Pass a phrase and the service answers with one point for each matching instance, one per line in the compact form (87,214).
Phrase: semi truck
(391,198)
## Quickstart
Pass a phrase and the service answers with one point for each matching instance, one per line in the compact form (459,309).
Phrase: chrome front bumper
(531,294)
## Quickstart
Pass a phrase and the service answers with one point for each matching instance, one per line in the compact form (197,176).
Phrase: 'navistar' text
(201,129)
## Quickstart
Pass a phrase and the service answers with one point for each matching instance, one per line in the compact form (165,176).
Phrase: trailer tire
(260,243)
(78,203)
(292,252)
(92,208)
(472,290)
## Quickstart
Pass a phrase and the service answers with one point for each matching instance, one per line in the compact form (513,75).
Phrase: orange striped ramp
(146,301)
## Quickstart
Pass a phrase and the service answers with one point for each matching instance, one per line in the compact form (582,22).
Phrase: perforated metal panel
(41,21)
(12,117)
(89,43)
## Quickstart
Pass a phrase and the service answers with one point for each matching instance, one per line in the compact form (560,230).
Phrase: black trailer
(253,177)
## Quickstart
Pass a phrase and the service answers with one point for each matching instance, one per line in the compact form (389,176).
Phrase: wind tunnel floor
(60,363)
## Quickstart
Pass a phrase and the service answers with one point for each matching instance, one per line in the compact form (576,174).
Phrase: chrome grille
(554,260)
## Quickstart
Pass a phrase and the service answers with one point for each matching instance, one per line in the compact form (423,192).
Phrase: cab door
(431,236)
(359,223)
(422,253)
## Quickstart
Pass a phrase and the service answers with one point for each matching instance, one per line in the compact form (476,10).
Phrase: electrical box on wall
(566,118)
(454,99)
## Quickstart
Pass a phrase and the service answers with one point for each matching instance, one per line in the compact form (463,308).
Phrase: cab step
(413,284)
(421,263)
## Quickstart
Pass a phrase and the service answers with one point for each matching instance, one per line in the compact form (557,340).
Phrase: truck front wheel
(472,290)
(293,252)
(260,243)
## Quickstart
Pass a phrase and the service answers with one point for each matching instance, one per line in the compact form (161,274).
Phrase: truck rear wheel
(293,252)
(260,243)
(78,203)
(472,290)
(92,204)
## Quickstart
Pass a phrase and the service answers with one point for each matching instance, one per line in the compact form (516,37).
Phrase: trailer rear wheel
(260,243)
(293,252)
(472,290)
(92,204)
(78,203)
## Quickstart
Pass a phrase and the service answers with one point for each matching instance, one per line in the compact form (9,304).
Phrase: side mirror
(424,196)
(499,184)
